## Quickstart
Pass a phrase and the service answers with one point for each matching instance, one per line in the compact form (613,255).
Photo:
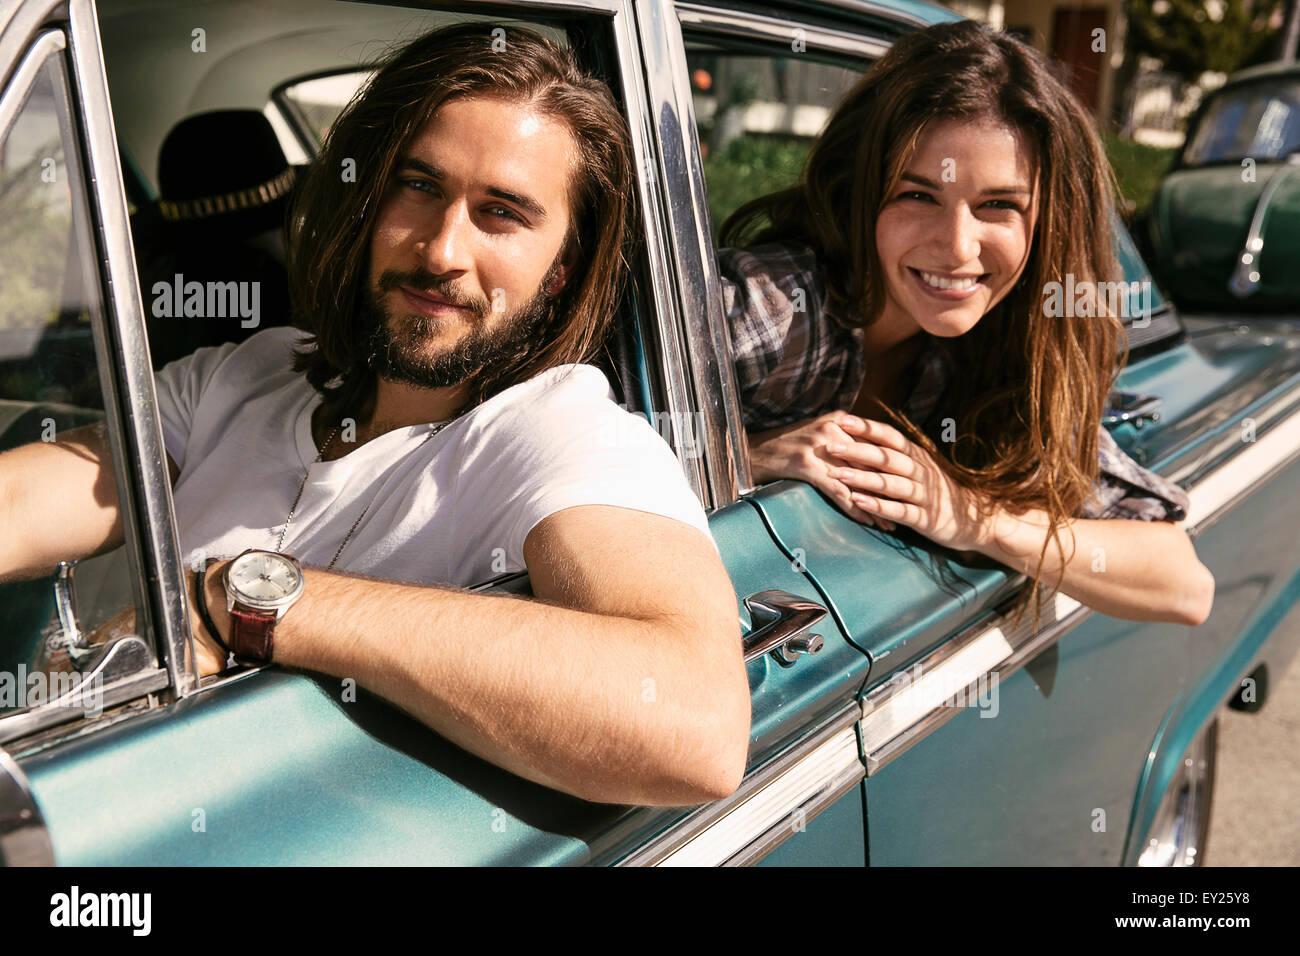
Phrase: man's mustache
(422,280)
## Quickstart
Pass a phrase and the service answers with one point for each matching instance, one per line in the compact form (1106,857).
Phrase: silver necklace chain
(279,545)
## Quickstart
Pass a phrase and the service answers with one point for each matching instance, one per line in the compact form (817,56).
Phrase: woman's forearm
(1137,570)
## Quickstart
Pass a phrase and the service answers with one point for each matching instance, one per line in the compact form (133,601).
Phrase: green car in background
(1224,228)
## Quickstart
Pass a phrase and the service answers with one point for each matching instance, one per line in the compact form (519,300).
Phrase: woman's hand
(888,476)
(799,451)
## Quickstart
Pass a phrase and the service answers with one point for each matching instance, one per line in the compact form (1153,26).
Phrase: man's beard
(398,346)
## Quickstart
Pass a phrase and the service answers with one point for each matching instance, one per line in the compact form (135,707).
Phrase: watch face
(265,579)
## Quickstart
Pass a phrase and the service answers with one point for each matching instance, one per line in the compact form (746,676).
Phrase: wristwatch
(260,587)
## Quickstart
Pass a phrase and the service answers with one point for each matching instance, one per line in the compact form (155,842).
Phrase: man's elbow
(720,771)
(706,761)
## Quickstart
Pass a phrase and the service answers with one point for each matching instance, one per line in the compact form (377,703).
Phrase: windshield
(1259,120)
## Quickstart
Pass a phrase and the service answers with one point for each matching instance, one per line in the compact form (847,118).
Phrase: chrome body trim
(1215,494)
(809,775)
(900,713)
(131,410)
(24,838)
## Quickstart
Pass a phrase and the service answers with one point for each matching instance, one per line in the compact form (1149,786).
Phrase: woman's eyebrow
(995,191)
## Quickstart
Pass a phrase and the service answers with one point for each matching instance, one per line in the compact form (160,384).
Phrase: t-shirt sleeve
(1125,489)
(576,447)
(179,385)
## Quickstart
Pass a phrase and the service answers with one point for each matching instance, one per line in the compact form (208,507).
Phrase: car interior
(235,112)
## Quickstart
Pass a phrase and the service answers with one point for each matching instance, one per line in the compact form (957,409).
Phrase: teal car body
(925,729)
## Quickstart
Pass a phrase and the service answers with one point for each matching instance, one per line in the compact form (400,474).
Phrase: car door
(260,765)
(987,743)
(64,295)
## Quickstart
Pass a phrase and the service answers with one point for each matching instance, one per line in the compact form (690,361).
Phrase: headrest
(224,170)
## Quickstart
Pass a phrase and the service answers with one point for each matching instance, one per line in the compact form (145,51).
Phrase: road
(1255,820)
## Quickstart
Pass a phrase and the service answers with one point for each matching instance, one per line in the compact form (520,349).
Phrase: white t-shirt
(454,509)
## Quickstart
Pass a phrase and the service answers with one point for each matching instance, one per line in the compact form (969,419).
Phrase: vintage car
(1223,230)
(898,716)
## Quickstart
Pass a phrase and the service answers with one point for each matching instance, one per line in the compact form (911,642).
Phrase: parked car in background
(1224,227)
(898,717)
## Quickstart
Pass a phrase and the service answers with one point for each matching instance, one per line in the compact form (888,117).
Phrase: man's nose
(445,248)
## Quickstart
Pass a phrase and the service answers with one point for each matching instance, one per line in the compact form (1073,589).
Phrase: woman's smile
(955,233)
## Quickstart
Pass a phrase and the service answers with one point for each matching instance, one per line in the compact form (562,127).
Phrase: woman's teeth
(941,283)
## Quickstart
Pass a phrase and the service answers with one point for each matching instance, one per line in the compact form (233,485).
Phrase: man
(455,252)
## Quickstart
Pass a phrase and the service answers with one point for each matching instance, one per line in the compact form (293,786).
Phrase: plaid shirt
(795,360)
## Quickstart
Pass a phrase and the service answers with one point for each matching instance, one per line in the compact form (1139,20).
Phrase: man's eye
(1004,204)
(419,185)
(914,194)
(502,212)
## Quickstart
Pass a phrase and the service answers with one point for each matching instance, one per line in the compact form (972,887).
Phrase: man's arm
(58,502)
(624,683)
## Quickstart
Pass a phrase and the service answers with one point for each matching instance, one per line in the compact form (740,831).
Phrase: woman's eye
(1004,204)
(914,194)
(419,185)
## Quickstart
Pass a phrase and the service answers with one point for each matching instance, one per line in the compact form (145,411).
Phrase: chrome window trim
(157,556)
(16,92)
(757,26)
(648,54)
(24,837)
(869,8)
(705,337)
(810,774)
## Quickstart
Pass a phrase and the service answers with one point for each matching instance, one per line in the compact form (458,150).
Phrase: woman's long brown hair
(334,215)
(1026,390)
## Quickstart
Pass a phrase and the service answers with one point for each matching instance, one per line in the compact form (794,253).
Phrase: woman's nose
(959,239)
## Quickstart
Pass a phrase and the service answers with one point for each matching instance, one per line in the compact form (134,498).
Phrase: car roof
(1252,73)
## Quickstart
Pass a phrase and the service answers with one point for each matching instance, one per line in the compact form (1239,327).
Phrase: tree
(1189,37)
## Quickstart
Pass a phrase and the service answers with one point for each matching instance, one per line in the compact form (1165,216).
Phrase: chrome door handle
(782,622)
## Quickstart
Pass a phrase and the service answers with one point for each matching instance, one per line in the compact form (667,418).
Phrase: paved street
(1256,816)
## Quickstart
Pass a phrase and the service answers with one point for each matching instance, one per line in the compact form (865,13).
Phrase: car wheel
(1182,824)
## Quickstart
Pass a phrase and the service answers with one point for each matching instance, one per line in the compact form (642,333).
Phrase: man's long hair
(334,214)
(1026,390)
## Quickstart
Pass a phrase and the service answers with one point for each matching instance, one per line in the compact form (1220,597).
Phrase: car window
(757,116)
(1259,120)
(49,373)
(312,104)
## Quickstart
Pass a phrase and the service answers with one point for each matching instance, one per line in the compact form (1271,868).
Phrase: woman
(895,346)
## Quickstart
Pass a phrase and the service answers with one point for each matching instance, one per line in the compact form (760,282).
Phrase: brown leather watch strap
(251,634)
